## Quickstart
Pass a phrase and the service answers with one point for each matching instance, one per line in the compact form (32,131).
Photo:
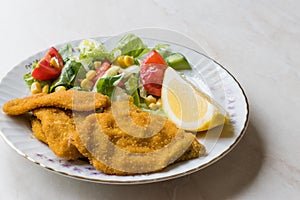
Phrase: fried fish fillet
(114,151)
(70,99)
(123,140)
(38,130)
(110,149)
(58,128)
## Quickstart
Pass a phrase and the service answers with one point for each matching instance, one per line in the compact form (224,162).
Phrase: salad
(131,64)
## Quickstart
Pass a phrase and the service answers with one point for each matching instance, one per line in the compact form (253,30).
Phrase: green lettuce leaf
(160,47)
(107,85)
(71,72)
(131,86)
(91,50)
(131,45)
(29,80)
(66,52)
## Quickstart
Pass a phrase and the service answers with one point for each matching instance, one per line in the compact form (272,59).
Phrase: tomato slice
(44,70)
(152,72)
(151,76)
(101,70)
(52,52)
(153,57)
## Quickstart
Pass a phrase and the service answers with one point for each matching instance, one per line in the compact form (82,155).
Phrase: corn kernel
(150,99)
(97,64)
(158,102)
(35,88)
(60,88)
(121,61)
(87,84)
(45,89)
(90,75)
(54,62)
(128,61)
(154,106)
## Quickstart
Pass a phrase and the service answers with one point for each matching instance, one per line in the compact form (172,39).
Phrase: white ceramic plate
(206,73)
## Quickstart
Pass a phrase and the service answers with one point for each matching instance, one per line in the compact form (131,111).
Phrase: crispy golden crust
(59,130)
(123,140)
(195,150)
(113,151)
(37,130)
(71,99)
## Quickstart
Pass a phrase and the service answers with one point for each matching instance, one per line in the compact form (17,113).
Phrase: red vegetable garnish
(45,70)
(152,72)
(151,76)
(101,70)
(153,57)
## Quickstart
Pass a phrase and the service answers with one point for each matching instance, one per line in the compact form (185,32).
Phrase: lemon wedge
(188,107)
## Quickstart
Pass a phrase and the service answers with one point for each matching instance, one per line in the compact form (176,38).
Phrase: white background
(257,41)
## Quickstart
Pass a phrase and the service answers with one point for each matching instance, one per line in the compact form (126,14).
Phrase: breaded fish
(38,130)
(123,140)
(114,151)
(58,128)
(70,99)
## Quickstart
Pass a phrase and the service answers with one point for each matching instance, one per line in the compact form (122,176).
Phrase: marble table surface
(257,41)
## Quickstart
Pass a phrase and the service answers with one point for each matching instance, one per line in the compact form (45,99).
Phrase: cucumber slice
(178,62)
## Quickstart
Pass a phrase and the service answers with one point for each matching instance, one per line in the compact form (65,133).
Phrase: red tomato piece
(153,57)
(101,70)
(52,52)
(151,76)
(44,70)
